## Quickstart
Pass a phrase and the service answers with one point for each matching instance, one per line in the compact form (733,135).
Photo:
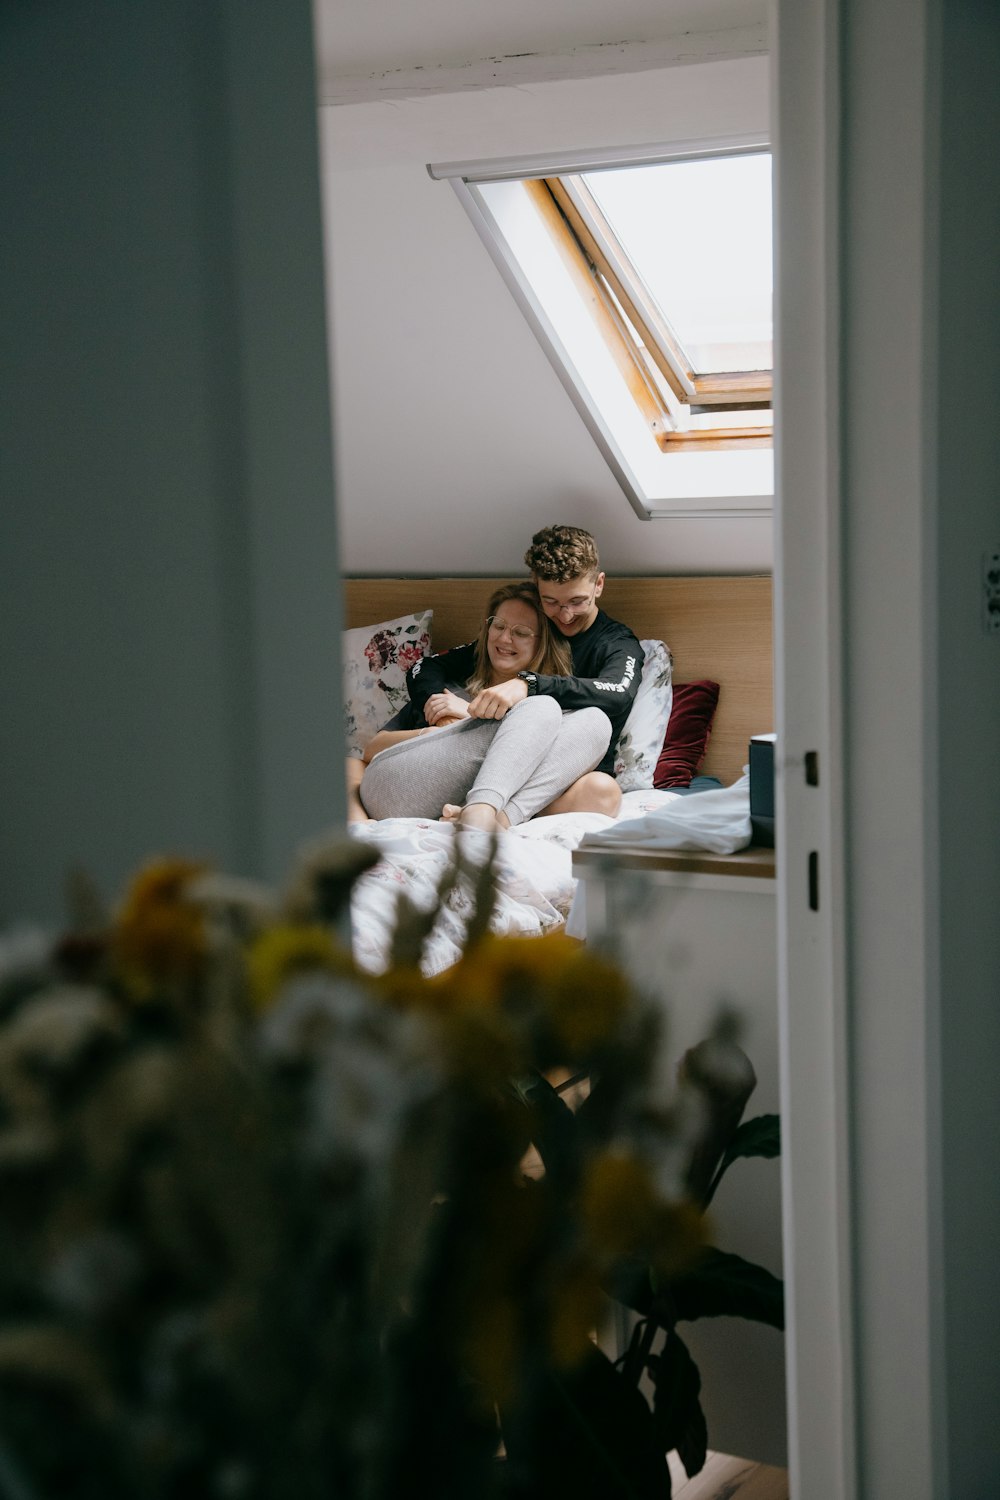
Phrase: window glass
(699,235)
(649,286)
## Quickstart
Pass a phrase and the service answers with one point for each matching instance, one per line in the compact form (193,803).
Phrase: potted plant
(266,1230)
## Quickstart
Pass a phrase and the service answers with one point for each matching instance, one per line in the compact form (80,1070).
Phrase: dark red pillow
(688,729)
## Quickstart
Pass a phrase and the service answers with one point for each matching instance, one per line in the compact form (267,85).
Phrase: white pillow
(641,741)
(376,661)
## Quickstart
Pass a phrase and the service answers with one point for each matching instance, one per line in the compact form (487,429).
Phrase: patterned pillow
(376,661)
(641,740)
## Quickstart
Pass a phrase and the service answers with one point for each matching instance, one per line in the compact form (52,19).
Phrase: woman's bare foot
(484,817)
(475,815)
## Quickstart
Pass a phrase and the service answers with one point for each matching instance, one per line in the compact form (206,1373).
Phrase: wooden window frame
(604,277)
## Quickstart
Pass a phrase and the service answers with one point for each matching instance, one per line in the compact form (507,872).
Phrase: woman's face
(510,653)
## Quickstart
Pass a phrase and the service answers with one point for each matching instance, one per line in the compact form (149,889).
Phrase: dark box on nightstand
(762,788)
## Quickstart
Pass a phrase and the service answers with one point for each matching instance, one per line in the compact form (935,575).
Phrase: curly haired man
(606,655)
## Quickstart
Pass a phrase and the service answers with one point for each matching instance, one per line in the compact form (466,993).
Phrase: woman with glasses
(481,763)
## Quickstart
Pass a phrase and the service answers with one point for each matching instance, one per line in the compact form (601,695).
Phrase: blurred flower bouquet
(268,1229)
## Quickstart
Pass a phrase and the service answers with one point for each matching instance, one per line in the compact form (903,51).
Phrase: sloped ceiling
(440,80)
(405,48)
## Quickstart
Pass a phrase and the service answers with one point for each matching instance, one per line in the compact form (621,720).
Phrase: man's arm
(614,689)
(615,655)
(433,674)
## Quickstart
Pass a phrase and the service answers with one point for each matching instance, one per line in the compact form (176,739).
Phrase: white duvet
(533,867)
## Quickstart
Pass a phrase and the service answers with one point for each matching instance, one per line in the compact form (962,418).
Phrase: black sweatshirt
(607,669)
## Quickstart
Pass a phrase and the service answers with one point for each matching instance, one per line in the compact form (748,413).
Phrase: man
(607,660)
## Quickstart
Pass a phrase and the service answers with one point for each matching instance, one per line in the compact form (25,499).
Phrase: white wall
(455,439)
(168,602)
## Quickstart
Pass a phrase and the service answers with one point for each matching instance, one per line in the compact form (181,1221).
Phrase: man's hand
(445,708)
(494,702)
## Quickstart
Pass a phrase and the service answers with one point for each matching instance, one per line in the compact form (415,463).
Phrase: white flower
(56,1025)
(24,954)
(93,1273)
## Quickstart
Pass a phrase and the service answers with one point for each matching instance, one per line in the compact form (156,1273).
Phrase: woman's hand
(445,708)
(494,702)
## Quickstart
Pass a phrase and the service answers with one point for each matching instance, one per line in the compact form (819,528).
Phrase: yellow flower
(477,1043)
(487,1298)
(491,1345)
(498,969)
(586,1004)
(623,1215)
(581,997)
(574,1313)
(618,1203)
(406,988)
(516,1003)
(285,950)
(159,936)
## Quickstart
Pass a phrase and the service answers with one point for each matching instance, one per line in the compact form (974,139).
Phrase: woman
(488,767)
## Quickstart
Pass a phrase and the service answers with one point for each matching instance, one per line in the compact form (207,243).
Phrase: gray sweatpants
(517,764)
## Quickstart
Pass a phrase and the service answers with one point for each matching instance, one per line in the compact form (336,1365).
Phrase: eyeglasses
(517,632)
(578,606)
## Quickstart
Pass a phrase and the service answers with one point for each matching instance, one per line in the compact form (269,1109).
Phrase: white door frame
(857,111)
(808,673)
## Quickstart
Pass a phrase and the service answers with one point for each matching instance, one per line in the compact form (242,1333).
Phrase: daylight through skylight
(699,235)
(649,285)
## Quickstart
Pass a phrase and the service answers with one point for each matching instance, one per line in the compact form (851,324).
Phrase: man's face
(571,606)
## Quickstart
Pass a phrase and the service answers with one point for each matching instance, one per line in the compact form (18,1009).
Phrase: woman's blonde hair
(551,650)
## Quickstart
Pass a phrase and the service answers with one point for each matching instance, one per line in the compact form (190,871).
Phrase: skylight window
(698,233)
(649,284)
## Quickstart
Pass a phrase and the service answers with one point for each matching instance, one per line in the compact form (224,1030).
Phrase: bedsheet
(535,881)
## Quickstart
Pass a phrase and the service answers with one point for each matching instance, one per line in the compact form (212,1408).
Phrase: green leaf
(723,1285)
(629,1281)
(677,1413)
(587,1433)
(721,1077)
(760,1136)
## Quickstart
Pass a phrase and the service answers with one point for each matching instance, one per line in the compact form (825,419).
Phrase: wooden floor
(726,1478)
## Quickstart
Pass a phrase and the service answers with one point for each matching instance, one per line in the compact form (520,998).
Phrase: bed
(718,630)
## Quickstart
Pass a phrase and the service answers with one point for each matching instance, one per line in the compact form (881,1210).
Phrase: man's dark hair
(559,553)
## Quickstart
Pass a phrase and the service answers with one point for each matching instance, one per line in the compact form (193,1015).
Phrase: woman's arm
(385,738)
(355,769)
(445,707)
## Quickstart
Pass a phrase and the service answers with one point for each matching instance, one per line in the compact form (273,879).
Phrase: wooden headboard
(717,627)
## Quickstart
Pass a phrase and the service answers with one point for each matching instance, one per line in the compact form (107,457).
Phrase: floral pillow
(376,661)
(641,740)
